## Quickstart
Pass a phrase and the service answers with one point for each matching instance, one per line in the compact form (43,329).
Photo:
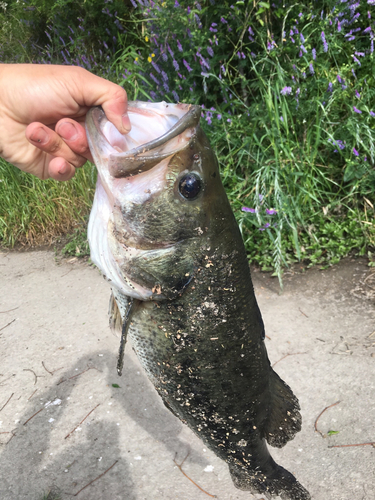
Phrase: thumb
(115,108)
(96,91)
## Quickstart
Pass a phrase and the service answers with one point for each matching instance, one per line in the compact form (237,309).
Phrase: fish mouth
(158,131)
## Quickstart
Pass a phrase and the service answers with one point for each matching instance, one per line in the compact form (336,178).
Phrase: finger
(116,108)
(74,135)
(60,170)
(109,95)
(51,143)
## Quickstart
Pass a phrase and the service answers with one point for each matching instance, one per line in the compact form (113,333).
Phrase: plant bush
(287,93)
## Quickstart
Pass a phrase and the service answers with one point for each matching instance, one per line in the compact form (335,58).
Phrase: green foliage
(33,211)
(77,246)
(286,91)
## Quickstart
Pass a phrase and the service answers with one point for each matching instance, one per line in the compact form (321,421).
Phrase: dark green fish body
(182,286)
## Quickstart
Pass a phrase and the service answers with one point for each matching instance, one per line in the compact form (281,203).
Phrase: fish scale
(182,292)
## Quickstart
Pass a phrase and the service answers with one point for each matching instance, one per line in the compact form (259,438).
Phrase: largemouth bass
(163,234)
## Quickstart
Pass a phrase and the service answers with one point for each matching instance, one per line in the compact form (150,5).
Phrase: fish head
(157,189)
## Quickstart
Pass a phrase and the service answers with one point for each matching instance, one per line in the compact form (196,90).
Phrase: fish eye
(190,185)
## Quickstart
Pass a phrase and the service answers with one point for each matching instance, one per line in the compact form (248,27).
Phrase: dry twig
(286,355)
(10,322)
(32,394)
(46,368)
(32,416)
(54,371)
(197,485)
(300,310)
(10,397)
(348,445)
(101,475)
(78,374)
(9,310)
(320,414)
(35,375)
(81,421)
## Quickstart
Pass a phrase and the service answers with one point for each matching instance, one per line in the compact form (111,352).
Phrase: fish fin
(278,482)
(124,334)
(115,320)
(284,419)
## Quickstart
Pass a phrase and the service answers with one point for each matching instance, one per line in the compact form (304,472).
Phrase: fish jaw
(133,171)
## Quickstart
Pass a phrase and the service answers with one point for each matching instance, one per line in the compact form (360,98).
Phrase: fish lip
(143,157)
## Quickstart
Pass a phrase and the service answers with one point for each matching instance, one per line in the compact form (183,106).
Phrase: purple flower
(314,54)
(372,114)
(311,67)
(355,152)
(338,143)
(338,26)
(170,51)
(155,79)
(247,209)
(358,95)
(155,66)
(339,79)
(166,87)
(210,51)
(219,115)
(179,46)
(164,57)
(164,76)
(271,211)
(302,37)
(175,65)
(325,44)
(330,87)
(303,49)
(367,30)
(187,65)
(356,110)
(286,91)
(224,21)
(105,45)
(175,95)
(134,3)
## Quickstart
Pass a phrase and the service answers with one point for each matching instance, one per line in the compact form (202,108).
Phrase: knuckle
(119,94)
(54,145)
(79,162)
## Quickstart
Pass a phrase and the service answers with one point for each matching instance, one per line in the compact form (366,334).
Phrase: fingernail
(39,135)
(67,131)
(126,122)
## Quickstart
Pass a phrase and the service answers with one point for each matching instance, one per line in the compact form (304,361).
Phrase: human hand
(42,114)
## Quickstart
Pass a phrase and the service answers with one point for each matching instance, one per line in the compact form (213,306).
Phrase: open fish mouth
(158,131)
(133,171)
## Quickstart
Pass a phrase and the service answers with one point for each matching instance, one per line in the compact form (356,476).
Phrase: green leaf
(332,433)
(116,386)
